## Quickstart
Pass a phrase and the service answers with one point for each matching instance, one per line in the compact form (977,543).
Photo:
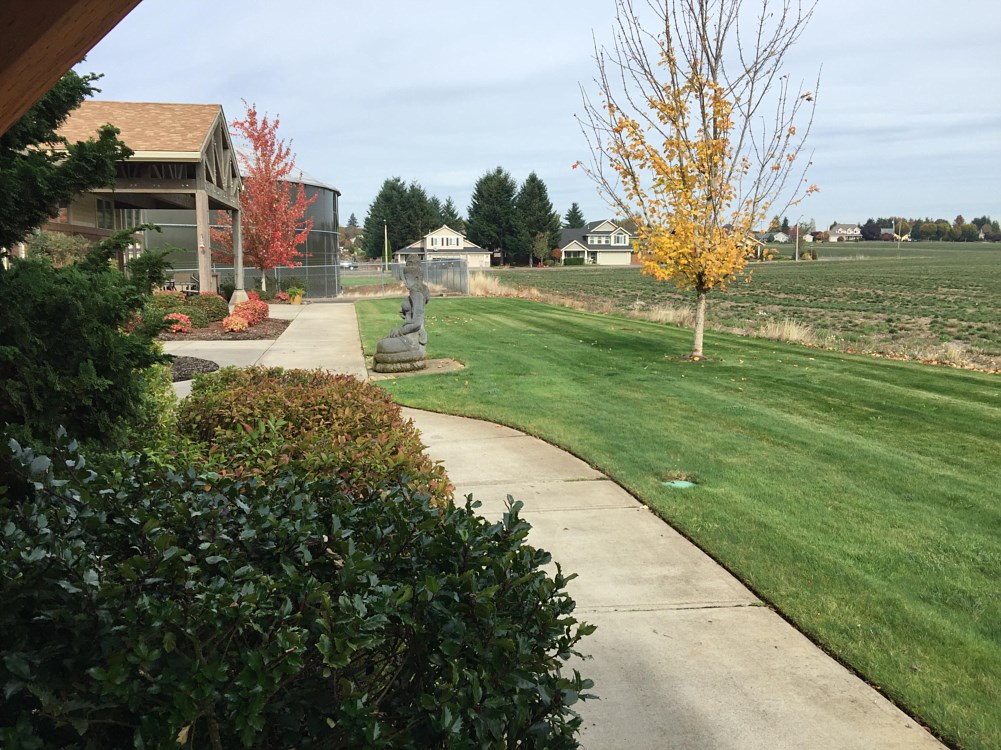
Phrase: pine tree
(450,216)
(402,211)
(491,223)
(353,221)
(537,224)
(40,171)
(574,218)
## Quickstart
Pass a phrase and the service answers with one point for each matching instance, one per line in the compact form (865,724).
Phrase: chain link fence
(347,280)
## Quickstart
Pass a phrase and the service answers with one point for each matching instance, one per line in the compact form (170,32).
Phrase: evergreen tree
(491,223)
(574,218)
(450,216)
(537,223)
(353,221)
(408,214)
(41,171)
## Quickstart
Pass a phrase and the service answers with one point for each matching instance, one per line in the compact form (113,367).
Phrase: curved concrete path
(684,655)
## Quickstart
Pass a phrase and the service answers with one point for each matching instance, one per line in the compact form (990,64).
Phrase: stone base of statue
(400,354)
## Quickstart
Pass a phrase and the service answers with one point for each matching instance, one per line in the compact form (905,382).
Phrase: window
(105,214)
(620,239)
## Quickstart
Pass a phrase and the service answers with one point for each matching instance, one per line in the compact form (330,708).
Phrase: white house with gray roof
(445,243)
(600,243)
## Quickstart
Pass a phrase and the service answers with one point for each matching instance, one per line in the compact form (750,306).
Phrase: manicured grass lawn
(859,496)
(896,302)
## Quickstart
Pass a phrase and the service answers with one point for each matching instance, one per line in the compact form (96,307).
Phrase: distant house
(601,243)
(780,237)
(445,243)
(845,233)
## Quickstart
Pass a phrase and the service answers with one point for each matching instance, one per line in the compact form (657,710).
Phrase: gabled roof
(580,234)
(444,229)
(175,131)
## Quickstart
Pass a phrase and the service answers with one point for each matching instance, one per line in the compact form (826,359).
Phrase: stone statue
(403,349)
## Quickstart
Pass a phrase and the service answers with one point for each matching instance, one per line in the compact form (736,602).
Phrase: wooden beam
(42,39)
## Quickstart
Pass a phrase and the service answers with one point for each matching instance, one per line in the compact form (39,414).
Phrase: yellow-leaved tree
(697,133)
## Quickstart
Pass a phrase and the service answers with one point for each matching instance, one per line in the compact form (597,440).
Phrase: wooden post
(205,281)
(240,293)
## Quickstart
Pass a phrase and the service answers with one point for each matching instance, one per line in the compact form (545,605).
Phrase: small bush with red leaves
(260,421)
(205,308)
(233,323)
(253,311)
(178,322)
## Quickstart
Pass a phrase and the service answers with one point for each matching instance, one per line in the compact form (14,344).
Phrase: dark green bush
(227,285)
(292,282)
(65,358)
(149,270)
(151,610)
(263,421)
(163,302)
(573,261)
(205,308)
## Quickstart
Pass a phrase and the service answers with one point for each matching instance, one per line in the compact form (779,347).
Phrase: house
(445,243)
(601,243)
(184,159)
(845,233)
(780,237)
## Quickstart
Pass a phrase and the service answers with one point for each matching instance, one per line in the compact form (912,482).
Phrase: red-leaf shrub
(233,323)
(282,297)
(253,311)
(260,421)
(181,322)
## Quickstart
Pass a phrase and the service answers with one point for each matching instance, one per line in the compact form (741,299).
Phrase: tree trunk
(700,323)
(264,280)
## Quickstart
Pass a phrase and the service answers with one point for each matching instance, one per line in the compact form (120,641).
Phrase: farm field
(858,496)
(927,301)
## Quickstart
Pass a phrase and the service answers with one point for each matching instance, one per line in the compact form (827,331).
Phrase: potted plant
(295,293)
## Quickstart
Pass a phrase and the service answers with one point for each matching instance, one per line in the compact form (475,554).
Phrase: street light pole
(799,228)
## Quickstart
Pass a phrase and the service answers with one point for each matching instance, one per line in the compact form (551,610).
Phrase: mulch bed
(185,368)
(271,328)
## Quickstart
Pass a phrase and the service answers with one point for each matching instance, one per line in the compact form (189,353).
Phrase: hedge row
(152,609)
(265,420)
(202,309)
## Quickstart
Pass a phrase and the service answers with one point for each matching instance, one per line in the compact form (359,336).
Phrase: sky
(907,123)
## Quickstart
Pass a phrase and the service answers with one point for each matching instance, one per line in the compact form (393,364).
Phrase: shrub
(65,356)
(283,297)
(205,308)
(58,248)
(233,323)
(266,295)
(162,302)
(292,282)
(179,322)
(227,285)
(263,420)
(252,295)
(573,261)
(149,270)
(153,609)
(253,311)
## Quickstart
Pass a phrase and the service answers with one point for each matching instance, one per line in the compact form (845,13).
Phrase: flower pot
(296,300)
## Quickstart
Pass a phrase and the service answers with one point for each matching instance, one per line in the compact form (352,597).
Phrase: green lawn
(865,296)
(859,496)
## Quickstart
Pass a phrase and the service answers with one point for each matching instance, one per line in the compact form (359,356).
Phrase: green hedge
(265,420)
(144,608)
(573,261)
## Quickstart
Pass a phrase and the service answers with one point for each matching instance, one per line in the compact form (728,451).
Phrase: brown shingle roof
(145,126)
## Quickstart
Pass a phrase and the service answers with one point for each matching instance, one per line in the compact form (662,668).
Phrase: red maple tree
(273,224)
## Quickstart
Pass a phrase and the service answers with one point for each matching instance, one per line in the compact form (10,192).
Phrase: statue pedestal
(400,354)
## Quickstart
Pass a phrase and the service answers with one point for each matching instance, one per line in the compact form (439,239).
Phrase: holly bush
(144,608)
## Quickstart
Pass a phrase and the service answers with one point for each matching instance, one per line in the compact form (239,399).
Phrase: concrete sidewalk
(684,655)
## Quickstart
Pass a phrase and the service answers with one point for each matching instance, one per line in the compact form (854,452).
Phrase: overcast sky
(908,119)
